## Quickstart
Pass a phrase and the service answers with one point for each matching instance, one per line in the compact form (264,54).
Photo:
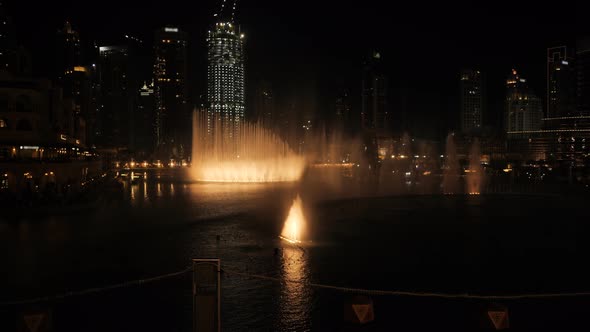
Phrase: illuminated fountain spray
(475,174)
(254,155)
(295,224)
(450,183)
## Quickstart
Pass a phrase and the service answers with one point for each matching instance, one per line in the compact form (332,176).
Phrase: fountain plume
(243,152)
(450,183)
(475,174)
(295,224)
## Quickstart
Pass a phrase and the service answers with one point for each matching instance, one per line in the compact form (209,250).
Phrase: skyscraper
(173,117)
(68,50)
(374,114)
(342,112)
(583,76)
(8,58)
(13,59)
(560,83)
(144,116)
(472,100)
(73,77)
(524,110)
(225,78)
(115,107)
(264,104)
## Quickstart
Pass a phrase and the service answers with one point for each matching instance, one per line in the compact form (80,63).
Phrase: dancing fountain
(475,174)
(450,184)
(256,155)
(295,224)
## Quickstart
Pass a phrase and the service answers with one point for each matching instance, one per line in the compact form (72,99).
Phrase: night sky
(310,49)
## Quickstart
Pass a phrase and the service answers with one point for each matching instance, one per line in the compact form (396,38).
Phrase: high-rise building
(374,113)
(173,117)
(144,120)
(583,76)
(74,77)
(472,100)
(225,78)
(524,110)
(8,56)
(560,83)
(264,104)
(68,49)
(115,107)
(13,59)
(342,112)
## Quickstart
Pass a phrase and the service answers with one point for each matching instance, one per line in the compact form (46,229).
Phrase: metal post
(202,295)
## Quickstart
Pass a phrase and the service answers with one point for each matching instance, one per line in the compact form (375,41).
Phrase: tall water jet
(255,155)
(475,174)
(450,183)
(295,224)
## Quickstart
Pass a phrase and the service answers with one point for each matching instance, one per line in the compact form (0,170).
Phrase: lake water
(490,244)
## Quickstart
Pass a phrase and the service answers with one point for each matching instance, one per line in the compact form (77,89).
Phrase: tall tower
(342,112)
(524,110)
(583,76)
(225,75)
(114,111)
(472,100)
(560,83)
(374,115)
(264,104)
(173,118)
(8,57)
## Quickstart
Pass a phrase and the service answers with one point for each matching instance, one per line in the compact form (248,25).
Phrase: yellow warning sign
(33,322)
(361,311)
(499,318)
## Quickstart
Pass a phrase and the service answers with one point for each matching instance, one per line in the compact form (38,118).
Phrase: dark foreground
(494,244)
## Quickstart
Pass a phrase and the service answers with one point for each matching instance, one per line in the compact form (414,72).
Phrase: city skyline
(346,48)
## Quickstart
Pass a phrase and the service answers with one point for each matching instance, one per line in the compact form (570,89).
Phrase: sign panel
(206,295)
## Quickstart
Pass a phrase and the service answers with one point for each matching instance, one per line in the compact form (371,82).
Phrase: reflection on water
(296,295)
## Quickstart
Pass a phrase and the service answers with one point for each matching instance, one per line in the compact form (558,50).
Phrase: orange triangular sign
(361,311)
(33,322)
(499,319)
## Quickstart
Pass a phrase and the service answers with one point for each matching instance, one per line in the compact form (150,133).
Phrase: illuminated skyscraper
(114,112)
(524,110)
(73,77)
(264,104)
(173,117)
(472,100)
(225,75)
(560,83)
(374,115)
(342,112)
(583,76)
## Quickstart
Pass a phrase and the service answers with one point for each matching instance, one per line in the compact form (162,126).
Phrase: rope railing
(364,291)
(88,291)
(361,291)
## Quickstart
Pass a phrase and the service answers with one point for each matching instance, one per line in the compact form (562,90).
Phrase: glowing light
(294,228)
(263,156)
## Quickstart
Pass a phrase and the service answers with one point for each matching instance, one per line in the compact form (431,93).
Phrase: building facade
(472,101)
(115,106)
(583,76)
(264,104)
(173,117)
(560,83)
(524,110)
(144,139)
(226,79)
(342,112)
(374,112)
